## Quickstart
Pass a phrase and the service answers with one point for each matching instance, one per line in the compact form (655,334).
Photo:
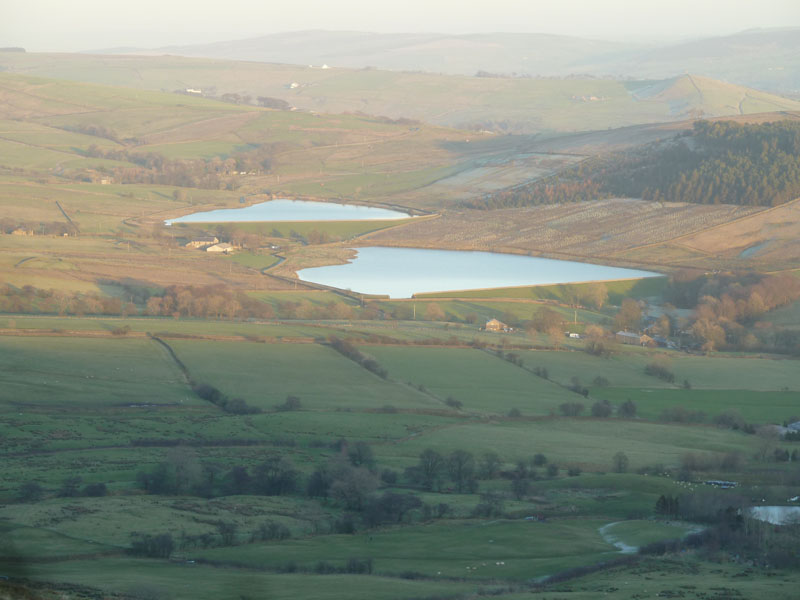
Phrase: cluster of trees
(235,406)
(727,304)
(31,300)
(729,532)
(720,162)
(8,225)
(213,173)
(600,409)
(212,301)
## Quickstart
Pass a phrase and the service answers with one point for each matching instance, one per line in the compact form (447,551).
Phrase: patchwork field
(112,409)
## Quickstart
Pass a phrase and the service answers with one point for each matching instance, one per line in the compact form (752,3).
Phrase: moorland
(178,423)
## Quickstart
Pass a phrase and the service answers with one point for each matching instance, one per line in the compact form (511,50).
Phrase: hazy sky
(64,25)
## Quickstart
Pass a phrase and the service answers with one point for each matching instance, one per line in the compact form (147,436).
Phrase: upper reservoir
(402,272)
(291,210)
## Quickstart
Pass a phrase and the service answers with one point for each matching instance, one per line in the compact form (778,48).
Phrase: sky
(74,25)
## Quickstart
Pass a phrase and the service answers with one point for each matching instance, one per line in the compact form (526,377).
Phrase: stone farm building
(635,339)
(495,325)
(202,241)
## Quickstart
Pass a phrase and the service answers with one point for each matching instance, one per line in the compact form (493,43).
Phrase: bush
(95,490)
(601,409)
(571,409)
(620,462)
(627,409)
(657,369)
(453,403)
(731,419)
(152,546)
(30,492)
(291,403)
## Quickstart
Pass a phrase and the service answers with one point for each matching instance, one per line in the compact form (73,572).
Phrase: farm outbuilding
(224,248)
(201,241)
(495,325)
(634,339)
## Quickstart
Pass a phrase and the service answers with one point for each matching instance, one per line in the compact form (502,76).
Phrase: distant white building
(193,91)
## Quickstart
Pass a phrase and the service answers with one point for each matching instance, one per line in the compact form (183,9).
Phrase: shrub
(620,462)
(660,370)
(152,546)
(95,490)
(571,409)
(601,409)
(291,403)
(627,409)
(453,403)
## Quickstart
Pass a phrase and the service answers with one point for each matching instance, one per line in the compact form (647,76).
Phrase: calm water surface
(291,210)
(401,272)
(777,515)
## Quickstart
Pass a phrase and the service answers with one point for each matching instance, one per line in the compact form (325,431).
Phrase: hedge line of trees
(719,162)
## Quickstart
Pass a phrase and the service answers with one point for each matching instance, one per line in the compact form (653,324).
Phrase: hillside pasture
(625,368)
(586,442)
(265,374)
(70,373)
(470,549)
(176,580)
(757,407)
(482,382)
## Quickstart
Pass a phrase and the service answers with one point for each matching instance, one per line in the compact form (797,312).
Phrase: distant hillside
(502,105)
(719,162)
(767,59)
(85,132)
(523,53)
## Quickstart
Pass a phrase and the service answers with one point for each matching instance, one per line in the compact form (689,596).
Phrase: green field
(626,369)
(753,406)
(470,549)
(142,578)
(67,373)
(583,442)
(265,374)
(76,420)
(482,382)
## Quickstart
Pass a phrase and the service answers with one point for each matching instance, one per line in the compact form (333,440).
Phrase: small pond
(292,210)
(777,515)
(402,272)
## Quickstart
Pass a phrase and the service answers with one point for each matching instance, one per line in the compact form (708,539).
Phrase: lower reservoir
(403,272)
